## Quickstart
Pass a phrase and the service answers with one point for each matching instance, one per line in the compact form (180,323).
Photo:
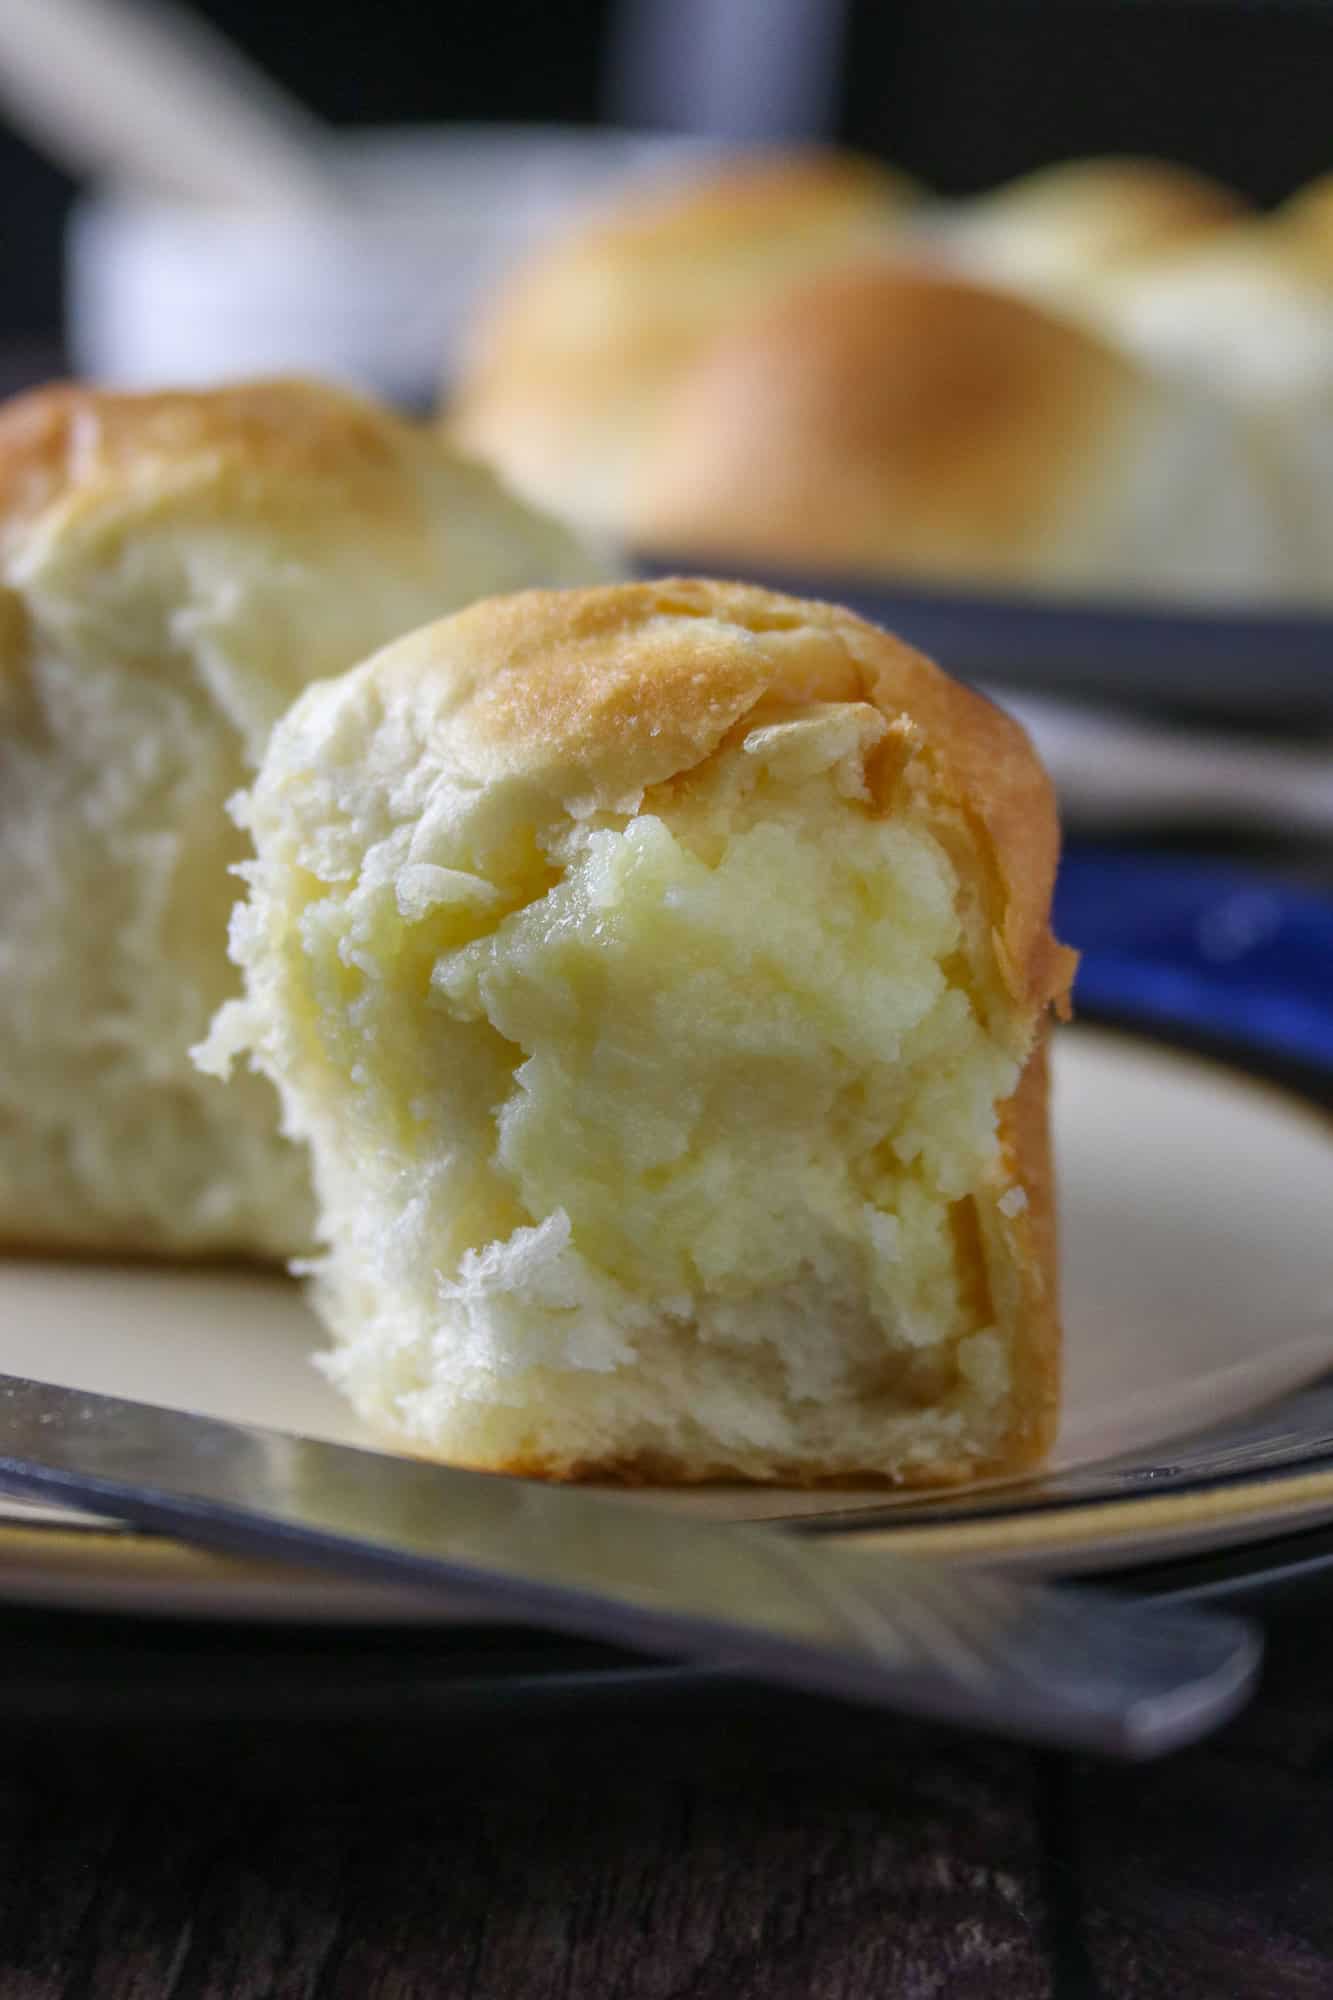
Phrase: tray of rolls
(1076,431)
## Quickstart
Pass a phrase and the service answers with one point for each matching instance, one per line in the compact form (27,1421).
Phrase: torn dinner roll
(660,976)
(173,569)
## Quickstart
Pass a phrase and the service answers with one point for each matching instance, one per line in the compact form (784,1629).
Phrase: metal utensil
(1062,1667)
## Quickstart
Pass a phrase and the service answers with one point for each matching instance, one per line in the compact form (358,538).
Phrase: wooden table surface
(740,1848)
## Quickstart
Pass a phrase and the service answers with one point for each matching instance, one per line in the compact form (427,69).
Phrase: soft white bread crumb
(658,975)
(175,568)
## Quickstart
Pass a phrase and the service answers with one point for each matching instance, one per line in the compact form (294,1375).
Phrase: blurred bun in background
(686,1116)
(1248,310)
(1111,376)
(567,373)
(1052,234)
(175,569)
(1248,314)
(894,421)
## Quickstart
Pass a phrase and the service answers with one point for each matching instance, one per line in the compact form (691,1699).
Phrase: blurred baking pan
(1270,666)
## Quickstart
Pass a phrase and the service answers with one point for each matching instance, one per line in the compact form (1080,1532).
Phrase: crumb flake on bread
(659,975)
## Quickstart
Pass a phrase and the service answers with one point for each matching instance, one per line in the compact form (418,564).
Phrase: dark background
(960,92)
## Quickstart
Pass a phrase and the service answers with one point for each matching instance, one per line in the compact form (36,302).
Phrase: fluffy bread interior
(115,847)
(176,568)
(656,1135)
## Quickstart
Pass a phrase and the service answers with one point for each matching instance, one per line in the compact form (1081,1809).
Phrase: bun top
(883,418)
(1053,232)
(567,369)
(520,714)
(745,204)
(271,531)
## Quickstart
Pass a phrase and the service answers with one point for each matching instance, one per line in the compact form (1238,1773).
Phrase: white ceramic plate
(1197,1217)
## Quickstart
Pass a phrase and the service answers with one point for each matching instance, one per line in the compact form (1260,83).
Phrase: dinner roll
(904,423)
(563,385)
(173,569)
(1247,312)
(659,975)
(1248,315)
(1051,235)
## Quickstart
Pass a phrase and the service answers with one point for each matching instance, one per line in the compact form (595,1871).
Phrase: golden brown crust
(584,296)
(737,210)
(881,418)
(1025,1136)
(289,463)
(265,440)
(643,1469)
(243,496)
(638,1469)
(592,694)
